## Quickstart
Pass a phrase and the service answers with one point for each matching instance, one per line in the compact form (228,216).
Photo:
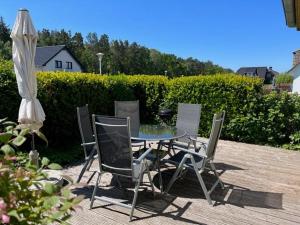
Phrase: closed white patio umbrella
(24,37)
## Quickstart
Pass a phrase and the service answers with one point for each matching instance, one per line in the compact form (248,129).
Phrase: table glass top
(157,133)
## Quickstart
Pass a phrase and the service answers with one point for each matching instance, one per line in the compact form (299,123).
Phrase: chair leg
(95,190)
(136,191)
(86,165)
(212,165)
(90,163)
(91,177)
(175,175)
(149,177)
(159,147)
(207,196)
(82,171)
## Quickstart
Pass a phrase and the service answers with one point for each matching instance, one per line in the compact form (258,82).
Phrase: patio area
(262,186)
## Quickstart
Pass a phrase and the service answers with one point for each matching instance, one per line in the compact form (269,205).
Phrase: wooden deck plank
(262,187)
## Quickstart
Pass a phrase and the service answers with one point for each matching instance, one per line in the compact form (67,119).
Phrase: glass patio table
(160,134)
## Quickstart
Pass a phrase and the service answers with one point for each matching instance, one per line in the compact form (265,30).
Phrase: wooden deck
(262,186)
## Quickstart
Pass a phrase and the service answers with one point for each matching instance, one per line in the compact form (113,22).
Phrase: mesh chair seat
(188,119)
(130,109)
(178,157)
(200,159)
(88,140)
(115,156)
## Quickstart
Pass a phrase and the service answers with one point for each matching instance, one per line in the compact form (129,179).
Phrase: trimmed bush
(9,96)
(251,116)
(271,119)
(61,92)
(231,93)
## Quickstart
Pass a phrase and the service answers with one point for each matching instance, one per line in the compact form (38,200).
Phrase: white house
(56,58)
(295,72)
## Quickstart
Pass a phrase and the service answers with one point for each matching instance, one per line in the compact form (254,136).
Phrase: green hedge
(229,92)
(251,116)
(272,119)
(9,96)
(60,93)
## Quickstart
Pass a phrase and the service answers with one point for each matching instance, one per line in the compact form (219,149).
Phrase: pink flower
(2,205)
(5,219)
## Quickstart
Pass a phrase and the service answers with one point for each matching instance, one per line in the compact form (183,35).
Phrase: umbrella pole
(32,141)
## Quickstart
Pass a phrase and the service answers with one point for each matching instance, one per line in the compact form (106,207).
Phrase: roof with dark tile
(258,71)
(46,53)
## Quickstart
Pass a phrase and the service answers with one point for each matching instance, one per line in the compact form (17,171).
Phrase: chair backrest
(129,109)
(85,127)
(215,134)
(188,119)
(113,144)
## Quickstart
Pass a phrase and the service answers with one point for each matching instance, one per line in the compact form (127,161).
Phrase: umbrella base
(34,157)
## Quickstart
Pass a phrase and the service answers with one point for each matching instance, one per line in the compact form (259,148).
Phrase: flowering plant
(25,197)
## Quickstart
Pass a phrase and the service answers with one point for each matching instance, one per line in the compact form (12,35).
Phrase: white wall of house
(295,72)
(63,56)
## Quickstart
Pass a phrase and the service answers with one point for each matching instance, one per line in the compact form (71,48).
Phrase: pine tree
(5,40)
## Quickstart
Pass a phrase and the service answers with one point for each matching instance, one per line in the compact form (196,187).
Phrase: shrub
(284,79)
(9,95)
(61,92)
(270,119)
(230,92)
(24,198)
(251,116)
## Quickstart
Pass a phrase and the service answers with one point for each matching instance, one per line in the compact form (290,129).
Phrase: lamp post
(166,72)
(100,56)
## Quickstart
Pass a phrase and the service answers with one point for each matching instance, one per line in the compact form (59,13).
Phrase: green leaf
(9,123)
(45,161)
(19,140)
(54,166)
(24,131)
(65,192)
(50,188)
(66,206)
(5,137)
(9,128)
(2,120)
(78,199)
(14,213)
(8,150)
(50,202)
(57,215)
(41,136)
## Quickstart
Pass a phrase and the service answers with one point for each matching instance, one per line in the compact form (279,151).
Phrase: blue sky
(231,33)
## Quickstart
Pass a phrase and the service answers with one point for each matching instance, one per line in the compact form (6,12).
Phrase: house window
(69,65)
(58,64)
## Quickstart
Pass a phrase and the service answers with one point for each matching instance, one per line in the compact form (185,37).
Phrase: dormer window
(69,65)
(58,64)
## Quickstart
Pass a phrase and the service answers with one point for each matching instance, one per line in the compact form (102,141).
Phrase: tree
(45,38)
(5,40)
(119,56)
(104,47)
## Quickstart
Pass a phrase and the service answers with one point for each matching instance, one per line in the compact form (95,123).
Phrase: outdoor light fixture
(100,56)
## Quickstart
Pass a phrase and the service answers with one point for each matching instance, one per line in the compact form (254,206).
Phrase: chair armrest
(143,155)
(202,143)
(192,151)
(89,143)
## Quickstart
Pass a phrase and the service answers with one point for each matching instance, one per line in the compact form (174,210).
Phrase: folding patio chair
(88,140)
(130,109)
(199,159)
(112,135)
(188,119)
